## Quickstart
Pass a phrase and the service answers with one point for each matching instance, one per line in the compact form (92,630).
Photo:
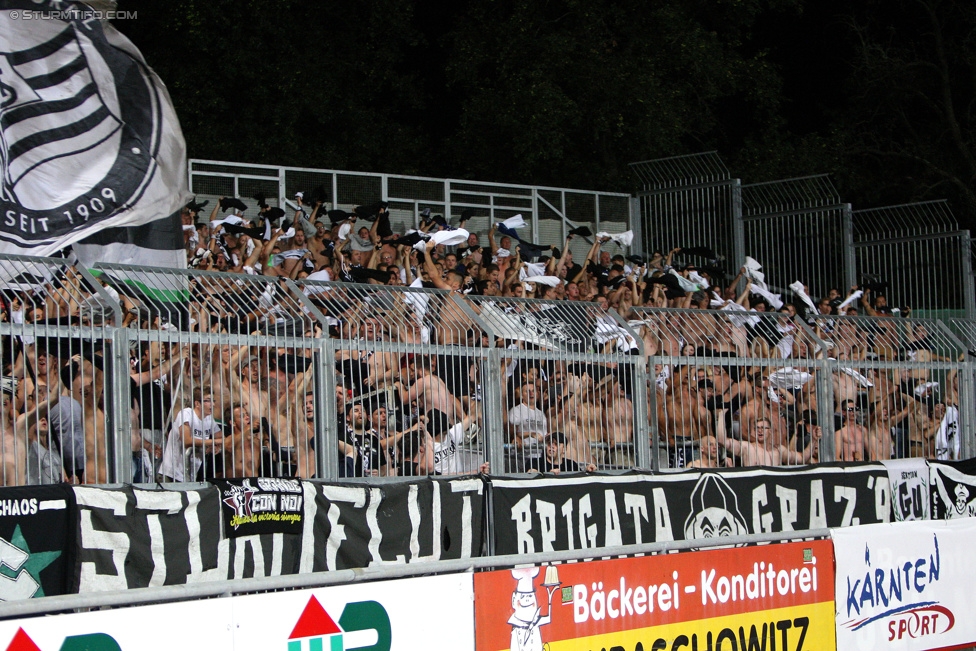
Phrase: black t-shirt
(368,454)
(573,271)
(154,405)
(567,465)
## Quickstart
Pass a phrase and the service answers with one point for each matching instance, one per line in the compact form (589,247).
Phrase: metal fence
(735,388)
(918,251)
(691,201)
(800,230)
(738,388)
(64,414)
(569,384)
(136,374)
(549,212)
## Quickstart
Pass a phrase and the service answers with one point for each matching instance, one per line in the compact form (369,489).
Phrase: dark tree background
(879,93)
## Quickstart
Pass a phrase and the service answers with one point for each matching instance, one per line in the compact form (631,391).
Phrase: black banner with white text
(131,538)
(556,514)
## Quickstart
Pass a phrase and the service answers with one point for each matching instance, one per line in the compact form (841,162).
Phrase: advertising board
(430,612)
(906,585)
(766,597)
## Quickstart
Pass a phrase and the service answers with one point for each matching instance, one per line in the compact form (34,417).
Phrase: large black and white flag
(91,146)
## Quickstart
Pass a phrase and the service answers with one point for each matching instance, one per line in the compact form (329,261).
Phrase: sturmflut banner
(132,538)
(767,597)
(91,143)
(906,585)
(547,514)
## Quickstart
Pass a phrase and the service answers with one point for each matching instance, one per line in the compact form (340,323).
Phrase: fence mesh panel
(174,375)
(58,353)
(732,388)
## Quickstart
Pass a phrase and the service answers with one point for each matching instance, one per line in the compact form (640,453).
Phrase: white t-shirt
(202,428)
(528,421)
(446,451)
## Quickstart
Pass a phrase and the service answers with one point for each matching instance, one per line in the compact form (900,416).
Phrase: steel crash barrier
(899,585)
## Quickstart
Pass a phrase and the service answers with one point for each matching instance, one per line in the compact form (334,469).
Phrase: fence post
(969,291)
(850,259)
(650,388)
(738,226)
(642,441)
(967,408)
(118,429)
(825,409)
(636,225)
(493,404)
(326,417)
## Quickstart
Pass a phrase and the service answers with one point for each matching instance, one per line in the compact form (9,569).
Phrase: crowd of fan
(202,407)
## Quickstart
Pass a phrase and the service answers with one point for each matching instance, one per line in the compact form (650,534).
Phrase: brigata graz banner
(765,597)
(131,538)
(906,585)
(537,515)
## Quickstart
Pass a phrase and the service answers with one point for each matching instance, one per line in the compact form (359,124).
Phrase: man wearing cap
(554,460)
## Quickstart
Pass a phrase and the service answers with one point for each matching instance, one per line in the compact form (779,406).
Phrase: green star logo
(35,563)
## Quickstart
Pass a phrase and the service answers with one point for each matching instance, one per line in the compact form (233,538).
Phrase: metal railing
(137,374)
(549,212)
(171,593)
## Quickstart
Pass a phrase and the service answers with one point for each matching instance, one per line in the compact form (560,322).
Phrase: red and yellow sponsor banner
(768,597)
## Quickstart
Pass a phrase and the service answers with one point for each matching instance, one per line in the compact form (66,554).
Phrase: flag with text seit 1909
(92,152)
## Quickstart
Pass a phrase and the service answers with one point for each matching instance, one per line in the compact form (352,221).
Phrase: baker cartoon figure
(527,618)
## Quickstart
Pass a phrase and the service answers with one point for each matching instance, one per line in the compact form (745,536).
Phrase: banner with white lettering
(562,513)
(952,489)
(36,530)
(357,525)
(261,506)
(775,597)
(909,481)
(131,538)
(905,585)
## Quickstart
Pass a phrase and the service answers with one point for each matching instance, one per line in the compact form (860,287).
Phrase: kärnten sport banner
(907,585)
